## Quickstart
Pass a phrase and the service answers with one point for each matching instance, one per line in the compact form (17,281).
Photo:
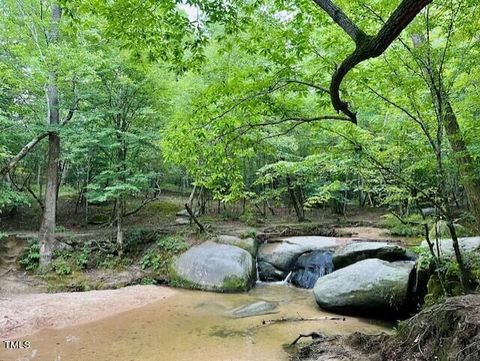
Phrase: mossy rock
(371,287)
(214,267)
(248,244)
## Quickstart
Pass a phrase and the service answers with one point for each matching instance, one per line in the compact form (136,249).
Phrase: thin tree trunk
(296,203)
(119,221)
(464,275)
(47,230)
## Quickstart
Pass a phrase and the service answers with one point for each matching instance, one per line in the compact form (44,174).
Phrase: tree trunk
(119,221)
(462,157)
(464,161)
(464,275)
(47,230)
(297,205)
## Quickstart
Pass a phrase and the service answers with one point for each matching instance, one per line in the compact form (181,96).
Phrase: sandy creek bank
(157,323)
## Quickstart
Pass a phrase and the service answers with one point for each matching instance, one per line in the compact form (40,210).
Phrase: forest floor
(23,225)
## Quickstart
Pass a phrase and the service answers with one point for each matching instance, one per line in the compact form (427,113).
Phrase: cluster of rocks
(367,278)
(356,277)
(278,258)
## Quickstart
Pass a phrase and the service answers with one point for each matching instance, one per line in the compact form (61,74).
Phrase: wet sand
(26,314)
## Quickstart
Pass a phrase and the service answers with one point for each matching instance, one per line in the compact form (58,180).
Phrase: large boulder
(310,266)
(280,255)
(214,267)
(358,251)
(369,287)
(248,244)
(467,244)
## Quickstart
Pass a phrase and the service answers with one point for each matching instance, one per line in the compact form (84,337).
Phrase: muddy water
(191,325)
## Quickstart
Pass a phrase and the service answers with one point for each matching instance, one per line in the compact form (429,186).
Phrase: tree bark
(47,230)
(119,221)
(464,161)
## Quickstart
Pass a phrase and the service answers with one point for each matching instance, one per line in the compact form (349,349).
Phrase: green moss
(249,233)
(233,283)
(440,228)
(175,280)
(75,282)
(230,284)
(248,247)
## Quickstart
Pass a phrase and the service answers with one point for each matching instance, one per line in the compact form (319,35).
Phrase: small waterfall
(285,281)
(258,273)
(289,276)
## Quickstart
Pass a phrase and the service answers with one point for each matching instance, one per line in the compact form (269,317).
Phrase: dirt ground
(445,331)
(25,314)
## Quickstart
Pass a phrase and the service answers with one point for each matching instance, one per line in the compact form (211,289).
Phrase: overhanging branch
(366,47)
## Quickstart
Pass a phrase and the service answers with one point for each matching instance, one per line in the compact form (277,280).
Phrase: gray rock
(269,273)
(182,221)
(283,253)
(214,267)
(357,251)
(254,309)
(184,213)
(467,244)
(429,211)
(248,244)
(310,266)
(371,286)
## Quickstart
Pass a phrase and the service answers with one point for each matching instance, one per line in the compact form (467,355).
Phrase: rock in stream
(276,259)
(310,267)
(214,267)
(368,287)
(358,251)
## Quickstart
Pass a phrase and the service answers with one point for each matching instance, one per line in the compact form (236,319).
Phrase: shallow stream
(193,325)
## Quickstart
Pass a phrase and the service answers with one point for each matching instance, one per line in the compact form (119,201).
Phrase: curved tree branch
(367,47)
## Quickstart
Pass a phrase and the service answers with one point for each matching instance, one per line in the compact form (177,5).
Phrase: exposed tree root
(313,335)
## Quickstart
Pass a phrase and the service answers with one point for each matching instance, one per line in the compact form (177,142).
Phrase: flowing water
(192,325)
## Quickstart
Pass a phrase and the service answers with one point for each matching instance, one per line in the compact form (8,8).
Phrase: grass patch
(75,282)
(233,283)
(164,208)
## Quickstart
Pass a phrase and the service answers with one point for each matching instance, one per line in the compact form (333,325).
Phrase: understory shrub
(410,227)
(160,255)
(30,259)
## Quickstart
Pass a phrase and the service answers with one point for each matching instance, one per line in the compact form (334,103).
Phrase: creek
(194,325)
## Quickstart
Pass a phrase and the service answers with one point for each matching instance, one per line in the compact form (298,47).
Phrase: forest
(241,180)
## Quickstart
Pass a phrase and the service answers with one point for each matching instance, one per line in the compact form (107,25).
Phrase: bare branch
(342,20)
